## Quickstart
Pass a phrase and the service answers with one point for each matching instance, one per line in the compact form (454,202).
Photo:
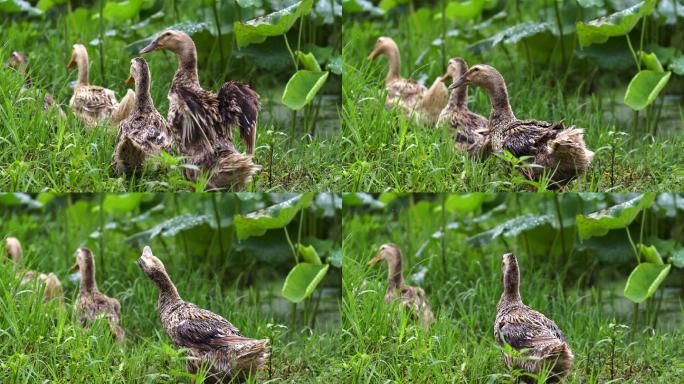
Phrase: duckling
(202,121)
(91,304)
(144,132)
(52,285)
(20,62)
(409,95)
(553,146)
(525,329)
(92,104)
(472,134)
(412,298)
(208,338)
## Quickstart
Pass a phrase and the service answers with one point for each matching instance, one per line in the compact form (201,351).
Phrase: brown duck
(52,286)
(91,304)
(208,338)
(471,130)
(144,132)
(412,299)
(202,121)
(526,329)
(20,62)
(556,148)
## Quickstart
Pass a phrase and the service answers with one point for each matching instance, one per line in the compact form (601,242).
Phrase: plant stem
(444,265)
(217,217)
(560,223)
(218,29)
(560,29)
(101,45)
(102,264)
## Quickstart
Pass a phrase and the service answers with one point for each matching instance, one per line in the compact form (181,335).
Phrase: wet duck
(52,286)
(409,95)
(525,329)
(207,337)
(556,148)
(91,304)
(92,104)
(471,130)
(202,121)
(144,132)
(20,62)
(412,298)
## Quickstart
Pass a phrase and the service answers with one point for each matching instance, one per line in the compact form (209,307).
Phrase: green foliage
(275,216)
(302,88)
(617,24)
(302,281)
(645,280)
(644,88)
(273,24)
(617,216)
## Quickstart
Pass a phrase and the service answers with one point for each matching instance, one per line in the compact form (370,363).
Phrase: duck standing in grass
(91,304)
(408,94)
(92,104)
(412,299)
(144,132)
(202,121)
(208,338)
(539,339)
(52,286)
(557,149)
(472,134)
(20,62)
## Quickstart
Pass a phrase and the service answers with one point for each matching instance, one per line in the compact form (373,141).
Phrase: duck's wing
(198,328)
(406,93)
(239,104)
(193,113)
(525,137)
(525,329)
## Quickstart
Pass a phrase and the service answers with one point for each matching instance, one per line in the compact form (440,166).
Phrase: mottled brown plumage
(412,299)
(144,132)
(526,329)
(90,303)
(208,338)
(413,98)
(471,131)
(92,104)
(20,62)
(52,287)
(556,148)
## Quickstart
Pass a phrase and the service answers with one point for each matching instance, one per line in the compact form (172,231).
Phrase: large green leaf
(308,61)
(677,65)
(650,61)
(308,254)
(509,35)
(275,216)
(357,6)
(125,202)
(645,280)
(302,88)
(650,254)
(464,10)
(464,202)
(17,6)
(351,199)
(18,198)
(302,280)
(677,258)
(512,228)
(617,216)
(617,24)
(169,228)
(644,88)
(273,24)
(122,10)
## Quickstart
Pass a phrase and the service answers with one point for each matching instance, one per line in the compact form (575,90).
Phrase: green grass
(41,342)
(386,345)
(39,151)
(386,151)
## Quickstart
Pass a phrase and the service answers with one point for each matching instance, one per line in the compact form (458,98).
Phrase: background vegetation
(583,259)
(612,67)
(288,51)
(234,254)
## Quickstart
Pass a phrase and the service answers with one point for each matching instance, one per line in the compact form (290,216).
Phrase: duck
(472,133)
(202,121)
(92,104)
(541,341)
(19,61)
(412,97)
(52,286)
(144,132)
(412,299)
(90,303)
(553,146)
(207,337)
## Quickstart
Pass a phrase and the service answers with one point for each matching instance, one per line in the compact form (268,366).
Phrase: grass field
(386,151)
(463,284)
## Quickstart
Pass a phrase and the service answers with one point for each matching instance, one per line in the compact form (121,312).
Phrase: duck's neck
(395,277)
(511,293)
(143,99)
(187,63)
(392,52)
(82,63)
(168,294)
(498,96)
(88,283)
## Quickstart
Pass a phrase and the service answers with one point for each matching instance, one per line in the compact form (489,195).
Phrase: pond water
(670,313)
(327,123)
(670,121)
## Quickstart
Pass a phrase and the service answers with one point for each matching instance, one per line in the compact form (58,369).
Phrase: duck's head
(389,252)
(480,74)
(174,41)
(18,60)
(150,264)
(140,72)
(13,249)
(383,45)
(510,274)
(84,260)
(455,69)
(79,53)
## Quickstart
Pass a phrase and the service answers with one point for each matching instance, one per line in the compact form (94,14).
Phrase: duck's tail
(124,108)
(53,287)
(569,147)
(128,156)
(251,355)
(233,171)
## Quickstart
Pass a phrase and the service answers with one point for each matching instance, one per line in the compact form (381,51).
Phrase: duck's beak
(130,80)
(71,63)
(147,251)
(375,259)
(75,267)
(151,47)
(374,54)
(463,80)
